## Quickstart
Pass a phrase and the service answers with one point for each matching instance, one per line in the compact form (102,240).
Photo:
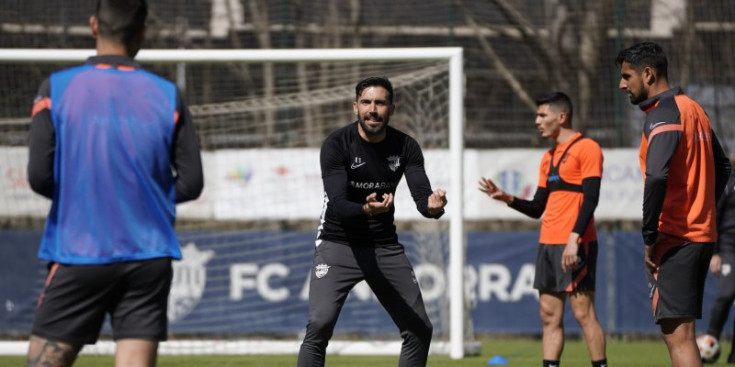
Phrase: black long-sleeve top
(726,218)
(352,169)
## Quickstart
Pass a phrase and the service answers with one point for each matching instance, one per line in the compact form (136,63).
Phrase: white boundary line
(242,347)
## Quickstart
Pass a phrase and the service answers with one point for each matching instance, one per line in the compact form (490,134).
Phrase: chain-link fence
(515,50)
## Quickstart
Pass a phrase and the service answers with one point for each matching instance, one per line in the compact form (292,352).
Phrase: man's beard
(636,100)
(373,131)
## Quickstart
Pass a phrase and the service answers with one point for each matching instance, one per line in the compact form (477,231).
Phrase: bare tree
(261,22)
(495,59)
(311,125)
(687,48)
(591,32)
(567,46)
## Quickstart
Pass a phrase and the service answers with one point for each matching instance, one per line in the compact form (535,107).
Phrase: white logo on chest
(357,163)
(394,162)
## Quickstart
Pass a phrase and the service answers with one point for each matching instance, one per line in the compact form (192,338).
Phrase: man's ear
(94,26)
(391,109)
(563,119)
(649,75)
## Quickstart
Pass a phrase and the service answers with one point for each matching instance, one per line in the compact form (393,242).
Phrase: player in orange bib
(567,195)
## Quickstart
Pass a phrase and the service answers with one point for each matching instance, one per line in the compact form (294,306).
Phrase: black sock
(600,363)
(548,363)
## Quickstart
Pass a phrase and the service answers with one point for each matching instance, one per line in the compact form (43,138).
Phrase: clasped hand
(373,206)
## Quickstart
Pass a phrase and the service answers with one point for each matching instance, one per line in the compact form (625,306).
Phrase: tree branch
(496,61)
(548,55)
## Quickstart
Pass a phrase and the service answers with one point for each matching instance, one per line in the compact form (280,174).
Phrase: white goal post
(452,55)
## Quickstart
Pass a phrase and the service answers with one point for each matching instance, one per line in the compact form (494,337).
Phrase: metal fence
(515,50)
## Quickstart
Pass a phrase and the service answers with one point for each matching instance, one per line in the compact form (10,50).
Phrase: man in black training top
(722,264)
(362,164)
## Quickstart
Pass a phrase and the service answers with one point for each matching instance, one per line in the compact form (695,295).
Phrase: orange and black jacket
(684,167)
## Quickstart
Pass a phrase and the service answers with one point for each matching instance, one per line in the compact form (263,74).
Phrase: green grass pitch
(518,352)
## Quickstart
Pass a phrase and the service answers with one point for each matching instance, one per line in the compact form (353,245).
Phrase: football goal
(248,242)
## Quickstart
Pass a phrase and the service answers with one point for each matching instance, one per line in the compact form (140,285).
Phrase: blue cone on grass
(497,360)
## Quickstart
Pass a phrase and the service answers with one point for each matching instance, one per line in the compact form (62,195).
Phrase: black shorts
(76,299)
(551,278)
(677,286)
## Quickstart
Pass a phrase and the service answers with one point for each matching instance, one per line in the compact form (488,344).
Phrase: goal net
(248,242)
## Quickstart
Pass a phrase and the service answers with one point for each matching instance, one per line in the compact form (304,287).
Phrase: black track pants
(725,295)
(337,268)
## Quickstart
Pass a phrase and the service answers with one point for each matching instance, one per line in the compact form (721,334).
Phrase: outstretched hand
(437,201)
(490,189)
(372,206)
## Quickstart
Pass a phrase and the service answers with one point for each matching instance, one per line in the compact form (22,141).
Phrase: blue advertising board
(256,282)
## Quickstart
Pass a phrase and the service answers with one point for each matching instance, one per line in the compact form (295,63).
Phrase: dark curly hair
(372,82)
(645,54)
(121,20)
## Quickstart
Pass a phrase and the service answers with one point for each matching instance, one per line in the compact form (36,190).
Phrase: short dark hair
(372,82)
(645,54)
(121,20)
(559,101)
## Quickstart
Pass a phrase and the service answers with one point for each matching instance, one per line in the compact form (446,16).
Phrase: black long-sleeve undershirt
(726,218)
(535,208)
(723,168)
(41,147)
(590,198)
(186,159)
